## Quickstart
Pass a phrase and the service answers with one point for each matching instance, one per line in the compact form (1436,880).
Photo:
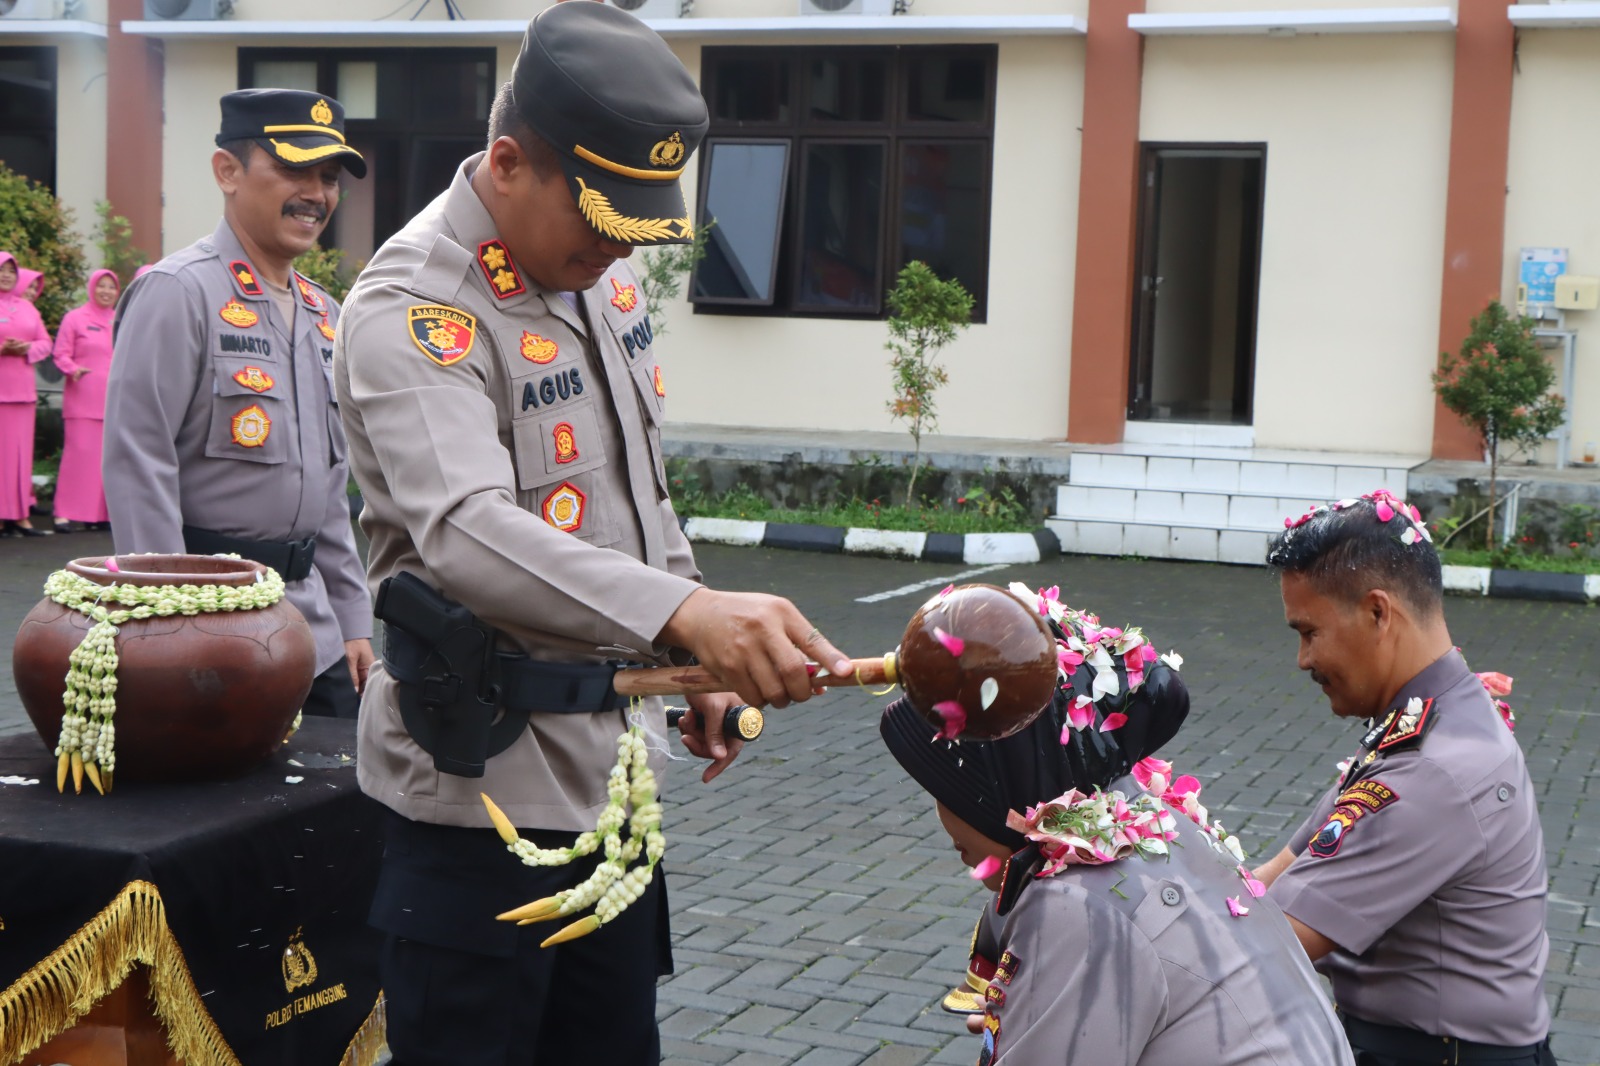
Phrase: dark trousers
(332,695)
(1387,1045)
(465,990)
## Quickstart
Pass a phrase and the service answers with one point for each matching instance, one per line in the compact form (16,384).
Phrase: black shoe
(29,531)
(65,526)
(10,530)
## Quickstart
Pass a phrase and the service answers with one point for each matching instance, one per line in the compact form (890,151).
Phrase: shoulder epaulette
(1018,873)
(1408,727)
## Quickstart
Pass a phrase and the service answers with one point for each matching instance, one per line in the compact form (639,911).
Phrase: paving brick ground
(818,910)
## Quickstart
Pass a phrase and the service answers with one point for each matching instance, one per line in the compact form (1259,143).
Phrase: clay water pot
(1000,639)
(202,697)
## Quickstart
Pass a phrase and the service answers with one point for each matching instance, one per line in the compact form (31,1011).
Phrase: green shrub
(118,253)
(37,229)
(322,265)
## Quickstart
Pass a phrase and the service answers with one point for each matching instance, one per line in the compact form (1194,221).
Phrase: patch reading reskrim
(444,334)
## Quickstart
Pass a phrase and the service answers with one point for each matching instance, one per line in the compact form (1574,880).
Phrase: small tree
(926,312)
(118,253)
(663,270)
(1500,386)
(37,229)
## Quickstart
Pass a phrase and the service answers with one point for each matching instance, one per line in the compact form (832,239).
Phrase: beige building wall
(1008,377)
(1357,130)
(1553,177)
(81,132)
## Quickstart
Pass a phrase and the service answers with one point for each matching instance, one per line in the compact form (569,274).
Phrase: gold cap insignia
(321,113)
(668,153)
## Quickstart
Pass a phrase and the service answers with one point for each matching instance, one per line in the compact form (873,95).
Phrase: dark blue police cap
(621,112)
(299,129)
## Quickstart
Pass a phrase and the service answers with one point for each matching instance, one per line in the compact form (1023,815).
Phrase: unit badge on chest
(323,327)
(251,427)
(500,270)
(566,442)
(237,314)
(626,298)
(661,388)
(444,334)
(255,379)
(312,298)
(563,508)
(537,349)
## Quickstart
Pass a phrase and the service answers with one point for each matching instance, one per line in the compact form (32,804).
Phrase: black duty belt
(525,686)
(1401,1043)
(292,560)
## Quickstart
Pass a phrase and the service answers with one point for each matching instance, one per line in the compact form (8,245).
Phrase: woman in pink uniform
(23,342)
(83,352)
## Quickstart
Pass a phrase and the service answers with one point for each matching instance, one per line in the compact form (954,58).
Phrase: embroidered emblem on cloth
(444,334)
(251,427)
(237,314)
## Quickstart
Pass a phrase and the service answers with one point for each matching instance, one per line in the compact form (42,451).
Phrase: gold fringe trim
(371,1039)
(599,213)
(63,987)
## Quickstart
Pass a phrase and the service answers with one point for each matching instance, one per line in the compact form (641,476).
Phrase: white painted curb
(885,542)
(737,531)
(1591,587)
(1473,580)
(1000,548)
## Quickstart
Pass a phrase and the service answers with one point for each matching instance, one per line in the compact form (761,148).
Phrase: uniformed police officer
(221,430)
(1133,962)
(503,399)
(1418,882)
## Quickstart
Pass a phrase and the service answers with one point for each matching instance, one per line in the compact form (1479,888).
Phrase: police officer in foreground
(1418,883)
(503,398)
(221,429)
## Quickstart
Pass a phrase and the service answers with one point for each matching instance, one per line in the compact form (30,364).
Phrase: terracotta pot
(198,698)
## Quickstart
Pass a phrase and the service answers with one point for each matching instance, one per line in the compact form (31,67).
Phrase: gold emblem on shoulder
(299,966)
(668,153)
(321,113)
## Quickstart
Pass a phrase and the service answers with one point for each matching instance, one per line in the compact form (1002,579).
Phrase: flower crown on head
(1386,504)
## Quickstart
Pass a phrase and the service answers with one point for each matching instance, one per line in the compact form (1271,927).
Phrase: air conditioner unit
(171,10)
(846,7)
(29,9)
(650,9)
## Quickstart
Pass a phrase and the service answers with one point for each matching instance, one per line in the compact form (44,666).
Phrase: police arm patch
(1353,804)
(564,507)
(444,334)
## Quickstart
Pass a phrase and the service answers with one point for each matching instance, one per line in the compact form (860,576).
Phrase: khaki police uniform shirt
(221,415)
(1426,866)
(1140,962)
(508,450)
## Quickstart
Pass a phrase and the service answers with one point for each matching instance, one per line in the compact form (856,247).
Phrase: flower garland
(612,886)
(87,745)
(1386,504)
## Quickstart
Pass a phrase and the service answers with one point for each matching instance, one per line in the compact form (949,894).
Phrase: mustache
(319,210)
(1321,679)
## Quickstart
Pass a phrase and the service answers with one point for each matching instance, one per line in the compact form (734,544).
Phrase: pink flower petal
(985,869)
(955,719)
(1081,713)
(111,565)
(1416,515)
(947,590)
(1385,512)
(953,645)
(1147,652)
(1257,889)
(1237,909)
(1113,721)
(1135,679)
(1067,657)
(1497,684)
(1187,785)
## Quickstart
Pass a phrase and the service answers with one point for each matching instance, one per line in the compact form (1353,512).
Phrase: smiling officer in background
(221,431)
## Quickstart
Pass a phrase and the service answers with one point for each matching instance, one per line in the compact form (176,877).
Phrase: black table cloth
(247,900)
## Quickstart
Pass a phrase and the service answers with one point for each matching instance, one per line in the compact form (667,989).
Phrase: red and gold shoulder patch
(1408,726)
(237,314)
(661,387)
(1007,967)
(537,349)
(310,295)
(251,427)
(504,281)
(255,379)
(563,508)
(244,276)
(323,327)
(445,334)
(566,442)
(626,298)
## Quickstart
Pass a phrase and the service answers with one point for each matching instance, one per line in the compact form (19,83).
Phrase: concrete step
(1157,541)
(1309,475)
(1237,510)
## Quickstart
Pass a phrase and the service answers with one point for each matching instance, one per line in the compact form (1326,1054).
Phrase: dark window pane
(744,196)
(848,90)
(751,90)
(28,112)
(452,89)
(947,87)
(942,210)
(433,167)
(842,207)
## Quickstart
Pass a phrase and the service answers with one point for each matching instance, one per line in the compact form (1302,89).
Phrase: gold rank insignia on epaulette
(504,281)
(1408,726)
(237,314)
(244,275)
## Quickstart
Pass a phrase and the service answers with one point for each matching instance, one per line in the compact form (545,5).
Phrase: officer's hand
(358,656)
(702,731)
(758,644)
(975,1024)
